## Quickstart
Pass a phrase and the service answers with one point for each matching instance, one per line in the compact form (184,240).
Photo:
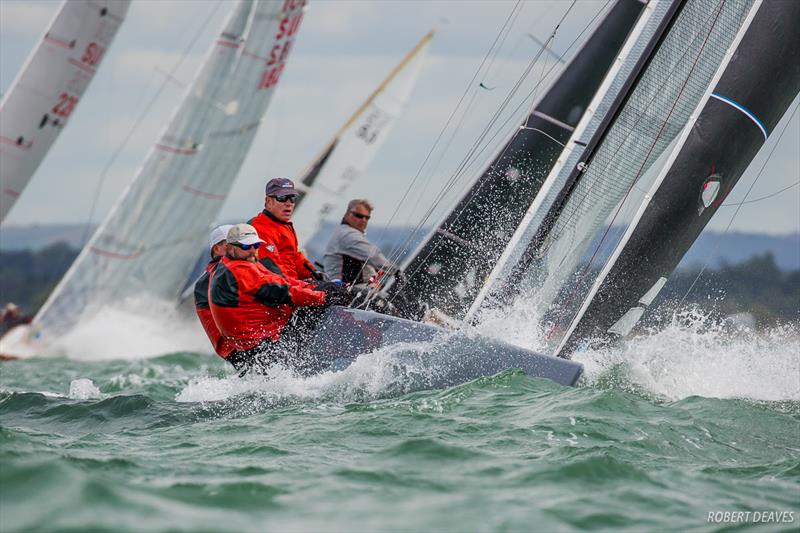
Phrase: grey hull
(430,356)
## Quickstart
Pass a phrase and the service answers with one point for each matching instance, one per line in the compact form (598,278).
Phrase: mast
(733,122)
(47,90)
(352,148)
(149,240)
(447,269)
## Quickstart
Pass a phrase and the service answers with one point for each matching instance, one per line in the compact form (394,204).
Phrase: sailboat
(47,90)
(668,129)
(149,240)
(349,152)
(514,176)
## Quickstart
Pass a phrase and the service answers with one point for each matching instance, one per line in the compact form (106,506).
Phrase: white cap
(218,234)
(243,234)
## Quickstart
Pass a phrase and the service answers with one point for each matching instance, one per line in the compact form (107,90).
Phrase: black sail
(448,269)
(755,90)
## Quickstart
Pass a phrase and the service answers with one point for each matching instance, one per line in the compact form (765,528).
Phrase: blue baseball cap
(281,187)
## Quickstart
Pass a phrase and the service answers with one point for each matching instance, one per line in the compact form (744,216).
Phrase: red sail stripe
(204,194)
(182,151)
(11,193)
(85,68)
(254,56)
(59,42)
(227,44)
(12,142)
(115,255)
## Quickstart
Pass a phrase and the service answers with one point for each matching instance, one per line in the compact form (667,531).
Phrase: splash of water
(83,389)
(697,354)
(139,329)
(390,371)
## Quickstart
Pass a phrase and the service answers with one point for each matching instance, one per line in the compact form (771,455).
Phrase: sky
(343,51)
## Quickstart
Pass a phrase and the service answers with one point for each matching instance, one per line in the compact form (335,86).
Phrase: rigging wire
(452,114)
(505,31)
(472,154)
(493,50)
(104,173)
(531,95)
(740,204)
(776,193)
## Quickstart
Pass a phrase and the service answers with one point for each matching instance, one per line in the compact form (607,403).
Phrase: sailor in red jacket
(217,241)
(252,306)
(274,225)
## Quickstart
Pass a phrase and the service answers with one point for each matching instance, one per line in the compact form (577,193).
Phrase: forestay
(354,146)
(47,90)
(149,241)
(606,182)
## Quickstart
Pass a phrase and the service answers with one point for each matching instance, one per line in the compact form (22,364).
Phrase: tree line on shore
(756,285)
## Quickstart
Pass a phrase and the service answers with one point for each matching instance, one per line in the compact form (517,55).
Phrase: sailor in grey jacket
(349,256)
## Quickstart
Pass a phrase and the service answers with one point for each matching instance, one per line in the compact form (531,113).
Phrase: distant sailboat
(149,241)
(353,147)
(47,90)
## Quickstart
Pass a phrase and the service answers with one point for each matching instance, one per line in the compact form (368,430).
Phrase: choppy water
(659,434)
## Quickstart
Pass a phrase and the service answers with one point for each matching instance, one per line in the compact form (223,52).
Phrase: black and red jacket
(281,246)
(251,304)
(222,345)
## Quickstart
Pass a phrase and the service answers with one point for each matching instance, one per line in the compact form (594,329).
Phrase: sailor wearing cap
(274,225)
(252,306)
(217,246)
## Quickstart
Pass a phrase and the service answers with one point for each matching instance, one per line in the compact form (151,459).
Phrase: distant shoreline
(714,248)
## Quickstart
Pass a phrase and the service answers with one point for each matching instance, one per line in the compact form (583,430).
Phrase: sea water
(691,428)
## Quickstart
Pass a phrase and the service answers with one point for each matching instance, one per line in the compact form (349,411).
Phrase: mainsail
(47,90)
(448,268)
(350,151)
(733,121)
(148,242)
(607,180)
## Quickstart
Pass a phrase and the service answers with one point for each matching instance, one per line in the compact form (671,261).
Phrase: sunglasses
(359,215)
(246,247)
(283,199)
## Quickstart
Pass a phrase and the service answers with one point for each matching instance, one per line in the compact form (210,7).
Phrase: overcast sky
(343,51)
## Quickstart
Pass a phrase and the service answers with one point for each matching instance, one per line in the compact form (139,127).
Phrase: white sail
(149,241)
(353,147)
(48,88)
